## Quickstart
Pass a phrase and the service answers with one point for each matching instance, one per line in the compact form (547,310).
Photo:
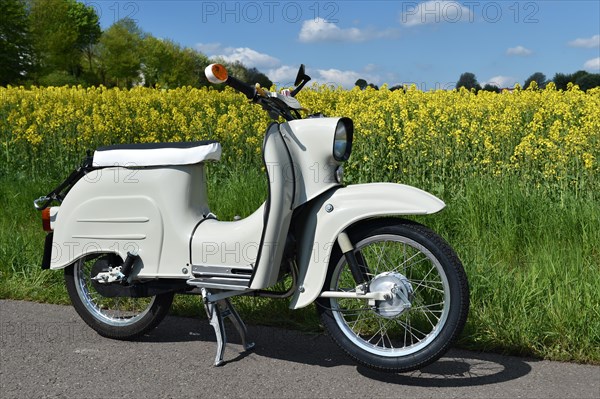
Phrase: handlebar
(217,74)
(244,88)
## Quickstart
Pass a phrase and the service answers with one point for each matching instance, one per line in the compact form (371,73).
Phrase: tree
(157,61)
(168,65)
(255,76)
(583,79)
(491,87)
(62,30)
(361,83)
(561,81)
(468,81)
(578,75)
(539,78)
(119,54)
(588,81)
(15,42)
(88,29)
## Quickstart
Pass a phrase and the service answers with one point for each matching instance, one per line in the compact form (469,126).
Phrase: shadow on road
(457,368)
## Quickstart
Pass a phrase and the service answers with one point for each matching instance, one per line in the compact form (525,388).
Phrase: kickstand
(216,312)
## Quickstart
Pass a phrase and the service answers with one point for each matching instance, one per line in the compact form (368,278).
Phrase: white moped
(134,228)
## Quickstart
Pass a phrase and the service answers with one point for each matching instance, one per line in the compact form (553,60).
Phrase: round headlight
(342,140)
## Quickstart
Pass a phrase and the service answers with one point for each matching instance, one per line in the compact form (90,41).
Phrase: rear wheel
(119,317)
(428,297)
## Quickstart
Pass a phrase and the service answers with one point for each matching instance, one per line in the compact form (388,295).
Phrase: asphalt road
(47,351)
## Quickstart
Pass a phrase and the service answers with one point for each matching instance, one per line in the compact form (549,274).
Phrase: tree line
(60,42)
(583,79)
(468,80)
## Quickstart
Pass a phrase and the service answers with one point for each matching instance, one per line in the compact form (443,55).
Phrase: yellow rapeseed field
(545,137)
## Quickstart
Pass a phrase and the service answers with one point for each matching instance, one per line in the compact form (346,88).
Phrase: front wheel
(119,317)
(428,297)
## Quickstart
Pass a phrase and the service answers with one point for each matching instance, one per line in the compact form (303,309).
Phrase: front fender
(332,212)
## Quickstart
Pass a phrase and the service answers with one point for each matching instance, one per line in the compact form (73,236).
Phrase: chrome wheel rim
(412,330)
(118,312)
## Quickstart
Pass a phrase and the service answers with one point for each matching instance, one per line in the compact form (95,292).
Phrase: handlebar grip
(244,88)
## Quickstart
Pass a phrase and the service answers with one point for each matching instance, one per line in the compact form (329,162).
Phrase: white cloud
(282,76)
(590,42)
(286,74)
(519,51)
(249,57)
(593,64)
(501,81)
(345,79)
(338,78)
(321,30)
(434,11)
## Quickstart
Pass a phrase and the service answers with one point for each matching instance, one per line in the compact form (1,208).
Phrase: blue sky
(429,43)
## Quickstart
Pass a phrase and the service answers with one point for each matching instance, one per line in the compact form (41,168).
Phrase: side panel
(110,224)
(334,211)
(149,210)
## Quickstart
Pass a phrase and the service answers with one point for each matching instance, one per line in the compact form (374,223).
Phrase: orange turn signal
(220,72)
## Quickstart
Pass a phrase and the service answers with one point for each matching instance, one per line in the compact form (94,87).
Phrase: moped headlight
(342,140)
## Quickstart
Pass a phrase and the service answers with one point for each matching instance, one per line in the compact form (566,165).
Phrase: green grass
(533,266)
(532,259)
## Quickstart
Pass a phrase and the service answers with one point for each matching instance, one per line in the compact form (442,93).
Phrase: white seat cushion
(157,154)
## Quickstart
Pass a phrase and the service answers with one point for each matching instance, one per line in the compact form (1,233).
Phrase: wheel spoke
(426,314)
(410,328)
(374,335)
(417,285)
(412,264)
(361,316)
(428,306)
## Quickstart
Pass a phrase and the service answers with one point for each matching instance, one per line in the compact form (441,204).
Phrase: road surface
(47,351)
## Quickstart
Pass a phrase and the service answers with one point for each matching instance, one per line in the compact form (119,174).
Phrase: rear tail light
(49,217)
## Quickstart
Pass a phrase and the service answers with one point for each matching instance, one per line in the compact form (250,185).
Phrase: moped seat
(157,154)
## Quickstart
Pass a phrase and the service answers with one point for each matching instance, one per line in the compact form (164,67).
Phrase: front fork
(357,265)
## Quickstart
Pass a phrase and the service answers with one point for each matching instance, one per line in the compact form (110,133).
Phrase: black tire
(117,318)
(383,336)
